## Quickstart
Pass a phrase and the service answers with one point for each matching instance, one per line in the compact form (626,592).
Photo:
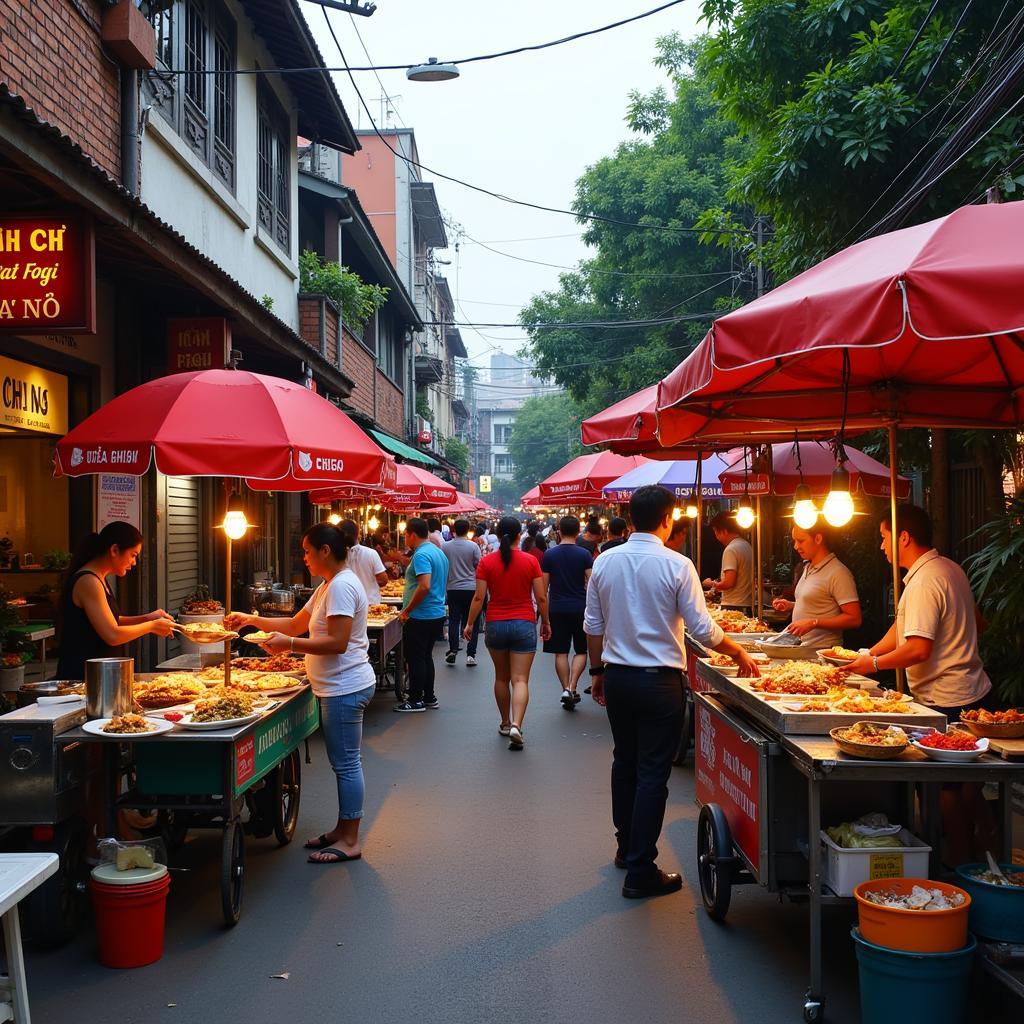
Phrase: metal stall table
(205,779)
(763,793)
(386,645)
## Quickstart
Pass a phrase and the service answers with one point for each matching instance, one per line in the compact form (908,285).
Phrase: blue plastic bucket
(997,911)
(903,988)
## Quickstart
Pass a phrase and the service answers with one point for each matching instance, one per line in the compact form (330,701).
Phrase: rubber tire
(714,841)
(686,736)
(286,789)
(814,1013)
(54,910)
(232,871)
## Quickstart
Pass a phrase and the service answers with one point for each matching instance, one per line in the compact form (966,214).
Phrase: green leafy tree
(545,437)
(457,453)
(675,167)
(358,301)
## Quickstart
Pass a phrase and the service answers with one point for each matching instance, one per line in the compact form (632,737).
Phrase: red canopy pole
(901,683)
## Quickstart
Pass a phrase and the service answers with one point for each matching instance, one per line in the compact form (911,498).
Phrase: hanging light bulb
(745,515)
(401,525)
(805,512)
(334,519)
(691,511)
(373,523)
(839,503)
(677,514)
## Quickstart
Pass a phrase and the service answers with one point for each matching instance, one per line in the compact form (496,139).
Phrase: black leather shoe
(661,885)
(620,861)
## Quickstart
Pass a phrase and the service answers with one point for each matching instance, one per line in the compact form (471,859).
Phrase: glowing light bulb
(334,519)
(401,525)
(691,511)
(677,514)
(235,524)
(373,523)
(745,517)
(839,503)
(805,512)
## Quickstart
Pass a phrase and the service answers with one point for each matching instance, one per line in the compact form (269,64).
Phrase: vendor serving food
(826,594)
(736,581)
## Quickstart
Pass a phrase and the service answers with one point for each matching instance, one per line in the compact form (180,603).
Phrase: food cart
(767,778)
(387,652)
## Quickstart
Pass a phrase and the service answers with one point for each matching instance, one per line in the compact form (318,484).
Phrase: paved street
(487,893)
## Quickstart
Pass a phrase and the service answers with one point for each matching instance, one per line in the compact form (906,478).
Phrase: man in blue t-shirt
(566,568)
(426,580)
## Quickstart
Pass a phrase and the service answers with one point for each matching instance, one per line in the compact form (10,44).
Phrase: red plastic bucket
(130,921)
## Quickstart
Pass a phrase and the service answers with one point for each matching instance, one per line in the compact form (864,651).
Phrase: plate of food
(228,710)
(872,740)
(804,678)
(954,745)
(838,656)
(137,727)
(205,632)
(999,725)
(284,663)
(268,684)
(721,663)
(166,690)
(259,636)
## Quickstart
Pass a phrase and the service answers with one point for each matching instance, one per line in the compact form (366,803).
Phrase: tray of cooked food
(269,684)
(733,621)
(135,727)
(205,632)
(874,741)
(1003,725)
(286,664)
(226,709)
(166,689)
(393,588)
(380,614)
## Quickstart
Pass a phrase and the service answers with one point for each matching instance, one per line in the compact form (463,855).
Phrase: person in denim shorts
(511,581)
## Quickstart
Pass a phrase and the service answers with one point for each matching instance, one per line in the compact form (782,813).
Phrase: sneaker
(576,698)
(504,730)
(566,698)
(471,661)
(410,705)
(515,735)
(431,702)
(449,658)
(588,689)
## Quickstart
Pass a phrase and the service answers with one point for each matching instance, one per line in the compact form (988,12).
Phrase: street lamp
(235,526)
(432,72)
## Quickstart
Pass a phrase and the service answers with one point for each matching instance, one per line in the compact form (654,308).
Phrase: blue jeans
(516,635)
(341,719)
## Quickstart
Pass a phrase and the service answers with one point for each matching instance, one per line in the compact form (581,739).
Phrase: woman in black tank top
(91,623)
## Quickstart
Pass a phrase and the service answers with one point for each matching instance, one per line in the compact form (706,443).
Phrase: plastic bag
(126,854)
(871,832)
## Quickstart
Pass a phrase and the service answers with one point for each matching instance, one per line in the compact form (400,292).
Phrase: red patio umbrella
(412,488)
(280,436)
(582,479)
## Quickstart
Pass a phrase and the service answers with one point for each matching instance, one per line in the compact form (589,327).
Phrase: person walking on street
(434,534)
(365,562)
(463,558)
(591,537)
(511,581)
(567,568)
(616,534)
(426,581)
(640,598)
(339,670)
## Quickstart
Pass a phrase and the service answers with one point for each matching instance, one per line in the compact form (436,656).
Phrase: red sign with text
(753,484)
(245,761)
(728,770)
(197,343)
(47,273)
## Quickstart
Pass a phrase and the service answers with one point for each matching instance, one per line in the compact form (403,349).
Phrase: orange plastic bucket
(130,921)
(913,931)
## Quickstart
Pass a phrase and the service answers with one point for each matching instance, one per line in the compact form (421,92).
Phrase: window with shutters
(274,149)
(198,37)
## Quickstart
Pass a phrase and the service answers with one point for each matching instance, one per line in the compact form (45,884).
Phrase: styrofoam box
(844,870)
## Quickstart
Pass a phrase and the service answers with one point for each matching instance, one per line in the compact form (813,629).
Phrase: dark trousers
(419,638)
(458,615)
(645,710)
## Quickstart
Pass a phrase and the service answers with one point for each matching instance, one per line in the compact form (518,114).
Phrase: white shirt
(820,593)
(366,563)
(436,538)
(640,597)
(937,604)
(334,675)
(739,555)
(493,542)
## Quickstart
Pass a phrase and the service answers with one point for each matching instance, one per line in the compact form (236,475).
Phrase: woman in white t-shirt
(338,667)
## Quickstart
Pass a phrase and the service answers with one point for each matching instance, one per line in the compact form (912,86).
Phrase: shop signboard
(485,485)
(198,343)
(728,773)
(752,484)
(118,499)
(32,398)
(47,273)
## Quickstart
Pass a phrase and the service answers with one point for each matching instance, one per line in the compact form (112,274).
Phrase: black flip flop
(340,856)
(319,843)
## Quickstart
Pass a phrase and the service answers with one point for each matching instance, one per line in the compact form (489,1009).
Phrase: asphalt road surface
(487,893)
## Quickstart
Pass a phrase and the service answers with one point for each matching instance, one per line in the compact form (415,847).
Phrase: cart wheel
(686,737)
(814,1012)
(714,861)
(53,911)
(232,871)
(286,789)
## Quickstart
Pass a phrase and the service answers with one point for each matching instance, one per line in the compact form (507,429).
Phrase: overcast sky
(526,126)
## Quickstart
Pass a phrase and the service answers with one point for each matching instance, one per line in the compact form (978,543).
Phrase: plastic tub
(130,909)
(997,911)
(913,931)
(844,869)
(897,987)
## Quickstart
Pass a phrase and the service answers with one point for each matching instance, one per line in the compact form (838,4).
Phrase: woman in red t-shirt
(511,581)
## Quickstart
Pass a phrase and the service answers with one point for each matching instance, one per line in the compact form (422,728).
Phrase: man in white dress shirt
(641,596)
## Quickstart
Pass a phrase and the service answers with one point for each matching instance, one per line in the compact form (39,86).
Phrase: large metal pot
(255,594)
(31,692)
(108,686)
(281,599)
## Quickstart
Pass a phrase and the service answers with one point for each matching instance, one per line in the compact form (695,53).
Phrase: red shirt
(537,553)
(511,589)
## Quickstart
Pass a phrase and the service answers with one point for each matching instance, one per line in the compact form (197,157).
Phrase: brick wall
(359,364)
(390,405)
(331,353)
(50,55)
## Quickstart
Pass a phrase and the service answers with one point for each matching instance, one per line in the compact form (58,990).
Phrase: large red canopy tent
(412,488)
(582,479)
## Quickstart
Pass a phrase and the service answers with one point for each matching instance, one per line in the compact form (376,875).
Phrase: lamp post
(235,525)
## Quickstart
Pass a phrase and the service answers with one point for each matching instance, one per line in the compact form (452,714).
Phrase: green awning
(398,448)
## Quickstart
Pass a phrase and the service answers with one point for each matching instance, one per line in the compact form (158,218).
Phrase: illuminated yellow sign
(32,398)
(485,485)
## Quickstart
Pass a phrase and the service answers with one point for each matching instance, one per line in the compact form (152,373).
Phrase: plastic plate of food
(257,637)
(127,727)
(722,663)
(206,632)
(954,745)
(228,711)
(839,657)
(871,740)
(1001,725)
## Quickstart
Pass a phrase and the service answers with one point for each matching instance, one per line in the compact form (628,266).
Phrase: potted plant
(13,652)
(56,560)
